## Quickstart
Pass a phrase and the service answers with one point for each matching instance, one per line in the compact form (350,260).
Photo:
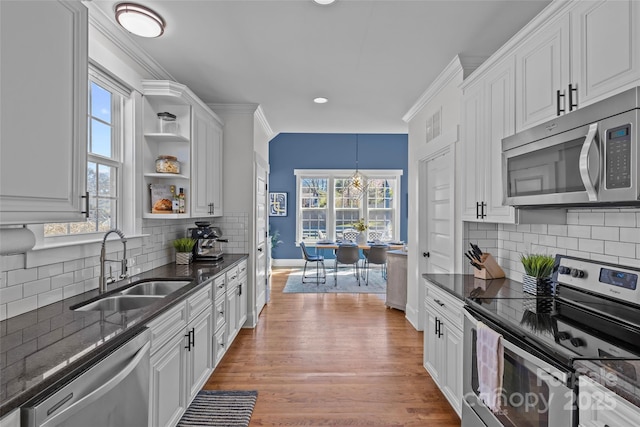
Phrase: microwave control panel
(618,157)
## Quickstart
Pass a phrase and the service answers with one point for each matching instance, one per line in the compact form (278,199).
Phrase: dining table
(334,245)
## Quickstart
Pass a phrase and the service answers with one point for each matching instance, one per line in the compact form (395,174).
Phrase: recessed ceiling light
(139,20)
(320,100)
(324,1)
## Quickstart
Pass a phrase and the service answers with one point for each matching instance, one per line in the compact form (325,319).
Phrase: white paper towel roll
(16,240)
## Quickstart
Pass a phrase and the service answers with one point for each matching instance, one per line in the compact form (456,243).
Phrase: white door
(261,285)
(439,251)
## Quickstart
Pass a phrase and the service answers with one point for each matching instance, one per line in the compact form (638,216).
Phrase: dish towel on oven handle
(490,358)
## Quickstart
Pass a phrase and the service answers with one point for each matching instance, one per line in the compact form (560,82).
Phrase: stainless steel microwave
(588,157)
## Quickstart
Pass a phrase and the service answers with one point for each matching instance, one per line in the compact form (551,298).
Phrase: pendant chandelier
(357,184)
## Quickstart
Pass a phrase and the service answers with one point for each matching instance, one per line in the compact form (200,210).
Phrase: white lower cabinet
(11,420)
(443,343)
(242,294)
(181,357)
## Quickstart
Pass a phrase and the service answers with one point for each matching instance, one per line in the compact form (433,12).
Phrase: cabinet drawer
(449,306)
(232,276)
(167,326)
(242,268)
(219,308)
(219,286)
(219,345)
(199,302)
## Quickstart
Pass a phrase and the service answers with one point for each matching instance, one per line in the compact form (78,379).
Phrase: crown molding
(233,108)
(105,26)
(262,119)
(450,72)
(554,10)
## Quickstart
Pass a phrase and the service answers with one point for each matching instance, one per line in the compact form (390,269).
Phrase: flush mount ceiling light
(320,100)
(323,2)
(139,20)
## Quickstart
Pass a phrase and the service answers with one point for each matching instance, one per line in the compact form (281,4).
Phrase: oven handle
(533,360)
(584,162)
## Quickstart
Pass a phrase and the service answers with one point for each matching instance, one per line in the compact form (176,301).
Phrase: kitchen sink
(155,287)
(119,303)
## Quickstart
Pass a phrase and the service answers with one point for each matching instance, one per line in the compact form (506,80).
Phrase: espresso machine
(208,239)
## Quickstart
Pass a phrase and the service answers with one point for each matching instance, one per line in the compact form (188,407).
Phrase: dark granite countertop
(44,347)
(463,286)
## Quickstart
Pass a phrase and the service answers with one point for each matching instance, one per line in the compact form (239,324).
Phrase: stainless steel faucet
(104,281)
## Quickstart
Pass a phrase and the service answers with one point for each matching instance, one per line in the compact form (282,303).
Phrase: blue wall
(289,151)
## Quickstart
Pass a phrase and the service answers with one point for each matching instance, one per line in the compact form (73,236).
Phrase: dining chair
(375,235)
(377,255)
(347,253)
(318,259)
(350,235)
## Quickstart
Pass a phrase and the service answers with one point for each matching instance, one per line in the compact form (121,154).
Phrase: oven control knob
(564,335)
(577,273)
(564,270)
(577,342)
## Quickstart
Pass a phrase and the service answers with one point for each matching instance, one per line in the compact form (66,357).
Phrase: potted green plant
(184,247)
(538,269)
(362,228)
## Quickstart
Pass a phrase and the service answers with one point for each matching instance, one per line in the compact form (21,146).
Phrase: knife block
(490,268)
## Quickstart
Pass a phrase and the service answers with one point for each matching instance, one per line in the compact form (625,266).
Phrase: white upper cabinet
(584,54)
(206,197)
(542,70)
(605,47)
(194,138)
(487,117)
(43,87)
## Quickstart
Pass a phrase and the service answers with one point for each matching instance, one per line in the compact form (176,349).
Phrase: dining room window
(326,208)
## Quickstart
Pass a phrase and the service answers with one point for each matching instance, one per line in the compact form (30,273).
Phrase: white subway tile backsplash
(49,297)
(605,233)
(631,235)
(15,277)
(583,231)
(36,287)
(50,270)
(608,235)
(591,218)
(61,280)
(627,250)
(620,219)
(557,230)
(11,293)
(589,245)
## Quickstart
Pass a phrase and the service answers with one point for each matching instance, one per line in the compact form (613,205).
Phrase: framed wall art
(277,204)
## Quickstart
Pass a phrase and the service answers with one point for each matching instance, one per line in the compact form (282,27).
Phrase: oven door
(535,393)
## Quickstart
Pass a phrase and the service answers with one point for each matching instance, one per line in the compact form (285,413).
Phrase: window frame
(332,175)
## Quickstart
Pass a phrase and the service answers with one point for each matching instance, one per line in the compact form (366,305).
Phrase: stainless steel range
(591,320)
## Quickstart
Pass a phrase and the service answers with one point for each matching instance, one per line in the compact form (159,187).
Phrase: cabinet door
(207,166)
(542,68)
(451,343)
(200,356)
(168,400)
(500,120)
(43,87)
(219,345)
(605,47)
(472,152)
(432,348)
(242,301)
(232,313)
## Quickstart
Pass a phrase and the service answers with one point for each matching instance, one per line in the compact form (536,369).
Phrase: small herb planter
(537,285)
(183,257)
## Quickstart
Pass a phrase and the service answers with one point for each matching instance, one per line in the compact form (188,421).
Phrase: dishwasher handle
(102,390)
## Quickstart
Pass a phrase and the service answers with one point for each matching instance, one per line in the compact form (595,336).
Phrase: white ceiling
(372,59)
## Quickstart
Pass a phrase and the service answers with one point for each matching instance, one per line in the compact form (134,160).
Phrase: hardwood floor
(332,360)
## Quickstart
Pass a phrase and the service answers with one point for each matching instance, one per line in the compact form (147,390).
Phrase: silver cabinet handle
(589,185)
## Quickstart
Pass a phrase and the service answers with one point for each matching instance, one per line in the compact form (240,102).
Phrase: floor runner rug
(347,282)
(217,408)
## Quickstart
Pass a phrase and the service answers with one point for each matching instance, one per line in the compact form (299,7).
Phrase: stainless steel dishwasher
(112,393)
